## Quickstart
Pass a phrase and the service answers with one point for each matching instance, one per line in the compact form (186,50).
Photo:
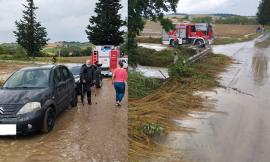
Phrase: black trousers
(86,89)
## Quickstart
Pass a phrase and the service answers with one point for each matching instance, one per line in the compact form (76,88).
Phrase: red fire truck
(196,33)
(108,56)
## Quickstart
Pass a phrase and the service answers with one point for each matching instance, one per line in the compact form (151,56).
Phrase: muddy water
(157,47)
(153,72)
(239,130)
(85,133)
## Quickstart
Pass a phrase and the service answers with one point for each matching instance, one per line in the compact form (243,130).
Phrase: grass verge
(153,113)
(263,44)
(149,40)
(140,85)
(163,58)
(229,40)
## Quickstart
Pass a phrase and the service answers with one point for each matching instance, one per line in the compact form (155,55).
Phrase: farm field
(232,30)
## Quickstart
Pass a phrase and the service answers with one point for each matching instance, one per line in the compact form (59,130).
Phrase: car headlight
(29,107)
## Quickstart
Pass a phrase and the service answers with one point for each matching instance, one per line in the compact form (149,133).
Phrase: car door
(59,89)
(69,81)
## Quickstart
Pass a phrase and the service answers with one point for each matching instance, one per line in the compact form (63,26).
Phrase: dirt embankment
(174,99)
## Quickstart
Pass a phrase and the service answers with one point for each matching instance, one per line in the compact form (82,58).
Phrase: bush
(20,52)
(140,86)
(87,51)
(70,51)
(152,129)
(149,40)
(181,69)
(163,58)
(1,82)
(11,52)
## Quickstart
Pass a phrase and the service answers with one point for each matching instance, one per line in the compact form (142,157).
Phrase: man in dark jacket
(88,78)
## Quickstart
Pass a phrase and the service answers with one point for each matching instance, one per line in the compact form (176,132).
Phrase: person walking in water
(119,79)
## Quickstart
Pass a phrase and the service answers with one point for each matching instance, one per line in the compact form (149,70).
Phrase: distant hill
(214,14)
(9,44)
(173,14)
(220,18)
(61,44)
(223,15)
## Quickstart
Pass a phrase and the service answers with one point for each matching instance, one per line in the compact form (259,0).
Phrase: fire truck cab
(184,33)
(108,56)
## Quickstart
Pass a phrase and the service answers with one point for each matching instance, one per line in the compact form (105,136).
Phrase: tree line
(104,29)
(241,20)
(263,14)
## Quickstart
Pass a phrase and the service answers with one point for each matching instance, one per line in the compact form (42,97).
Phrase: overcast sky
(67,19)
(240,7)
(64,19)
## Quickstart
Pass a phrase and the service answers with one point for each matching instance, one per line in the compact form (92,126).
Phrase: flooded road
(239,129)
(85,133)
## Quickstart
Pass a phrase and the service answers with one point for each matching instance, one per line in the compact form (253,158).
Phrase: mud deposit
(85,133)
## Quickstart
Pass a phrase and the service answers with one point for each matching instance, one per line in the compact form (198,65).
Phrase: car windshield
(34,78)
(75,70)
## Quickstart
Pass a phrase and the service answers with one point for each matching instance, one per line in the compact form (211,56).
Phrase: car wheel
(49,120)
(74,100)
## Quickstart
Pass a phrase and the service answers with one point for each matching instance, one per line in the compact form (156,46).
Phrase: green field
(75,46)
(12,51)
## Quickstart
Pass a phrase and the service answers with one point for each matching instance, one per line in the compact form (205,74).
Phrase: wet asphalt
(239,128)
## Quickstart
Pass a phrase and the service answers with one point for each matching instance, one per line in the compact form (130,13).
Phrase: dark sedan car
(75,70)
(32,97)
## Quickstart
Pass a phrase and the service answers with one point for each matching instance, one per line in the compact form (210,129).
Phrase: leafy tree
(87,51)
(263,14)
(30,34)
(70,51)
(138,11)
(104,29)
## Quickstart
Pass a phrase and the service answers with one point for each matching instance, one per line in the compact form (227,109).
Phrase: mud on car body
(32,97)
